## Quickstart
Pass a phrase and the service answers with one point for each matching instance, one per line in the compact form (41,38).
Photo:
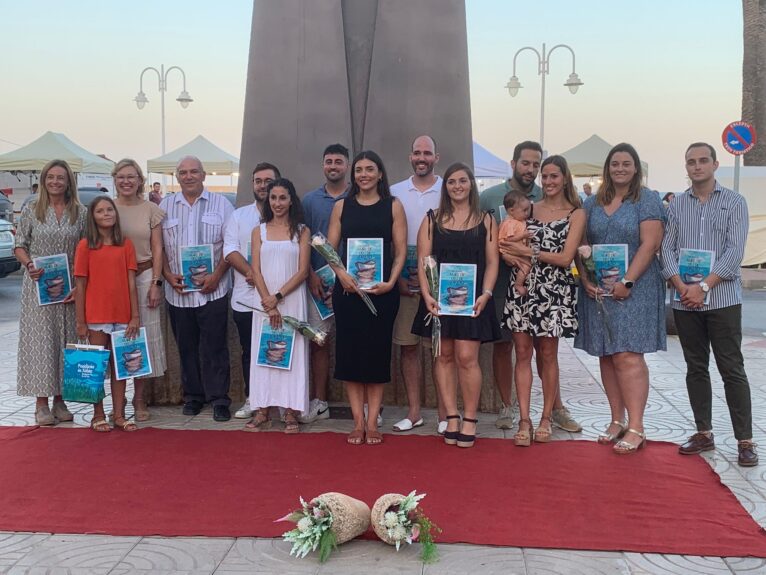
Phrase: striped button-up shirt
(192,225)
(719,225)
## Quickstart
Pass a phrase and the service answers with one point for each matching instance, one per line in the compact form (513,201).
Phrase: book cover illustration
(131,356)
(196,264)
(457,289)
(324,303)
(693,267)
(410,270)
(55,284)
(611,263)
(275,346)
(365,260)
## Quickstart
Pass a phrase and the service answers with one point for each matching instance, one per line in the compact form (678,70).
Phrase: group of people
(522,239)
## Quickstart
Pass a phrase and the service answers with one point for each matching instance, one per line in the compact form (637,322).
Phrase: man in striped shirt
(715,219)
(196,217)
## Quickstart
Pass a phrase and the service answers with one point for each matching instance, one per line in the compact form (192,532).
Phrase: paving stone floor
(668,418)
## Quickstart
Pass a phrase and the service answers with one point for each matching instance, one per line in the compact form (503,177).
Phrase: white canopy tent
(587,158)
(214,159)
(54,146)
(488,165)
(752,180)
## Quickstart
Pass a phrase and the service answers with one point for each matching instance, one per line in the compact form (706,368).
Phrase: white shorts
(107,327)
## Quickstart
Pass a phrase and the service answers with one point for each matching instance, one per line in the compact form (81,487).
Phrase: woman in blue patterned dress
(624,212)
(547,311)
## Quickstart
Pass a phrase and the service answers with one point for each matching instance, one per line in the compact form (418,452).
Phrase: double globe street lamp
(543,60)
(183,98)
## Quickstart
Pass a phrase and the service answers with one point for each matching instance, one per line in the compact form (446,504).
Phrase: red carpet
(571,495)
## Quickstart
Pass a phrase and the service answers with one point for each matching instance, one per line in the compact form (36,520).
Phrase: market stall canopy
(54,146)
(488,165)
(587,158)
(214,159)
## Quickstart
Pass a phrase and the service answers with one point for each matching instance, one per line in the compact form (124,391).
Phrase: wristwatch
(279,296)
(705,287)
(157,282)
(627,283)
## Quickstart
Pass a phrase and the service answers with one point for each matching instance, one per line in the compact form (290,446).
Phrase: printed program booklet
(324,304)
(196,264)
(410,271)
(457,289)
(693,267)
(275,347)
(365,260)
(55,284)
(131,356)
(611,262)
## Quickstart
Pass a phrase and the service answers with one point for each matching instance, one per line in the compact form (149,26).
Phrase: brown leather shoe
(697,443)
(748,456)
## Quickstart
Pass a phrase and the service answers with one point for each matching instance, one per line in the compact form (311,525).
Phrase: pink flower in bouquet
(584,251)
(415,532)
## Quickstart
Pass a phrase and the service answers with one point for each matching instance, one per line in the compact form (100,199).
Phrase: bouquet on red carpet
(431,267)
(320,244)
(586,257)
(325,522)
(397,519)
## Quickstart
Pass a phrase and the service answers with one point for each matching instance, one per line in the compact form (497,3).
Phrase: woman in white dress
(280,251)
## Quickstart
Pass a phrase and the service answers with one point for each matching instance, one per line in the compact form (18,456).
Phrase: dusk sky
(657,74)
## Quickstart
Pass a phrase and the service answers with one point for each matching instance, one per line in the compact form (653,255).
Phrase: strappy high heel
(464,439)
(524,437)
(450,437)
(623,447)
(606,438)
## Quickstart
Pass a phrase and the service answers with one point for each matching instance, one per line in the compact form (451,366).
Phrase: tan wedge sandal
(524,437)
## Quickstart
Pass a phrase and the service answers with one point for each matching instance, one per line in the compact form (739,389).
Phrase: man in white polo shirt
(418,194)
(236,252)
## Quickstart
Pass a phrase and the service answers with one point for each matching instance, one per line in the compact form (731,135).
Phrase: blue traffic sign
(739,138)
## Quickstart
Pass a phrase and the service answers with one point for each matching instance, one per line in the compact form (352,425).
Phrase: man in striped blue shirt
(195,217)
(712,218)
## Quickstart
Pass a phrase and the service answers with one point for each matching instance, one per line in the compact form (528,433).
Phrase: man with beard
(418,194)
(317,208)
(527,157)
(236,251)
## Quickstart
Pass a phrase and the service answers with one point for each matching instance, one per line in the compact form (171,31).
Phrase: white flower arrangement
(404,522)
(312,530)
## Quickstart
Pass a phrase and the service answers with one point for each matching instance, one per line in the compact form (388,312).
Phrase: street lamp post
(543,60)
(162,75)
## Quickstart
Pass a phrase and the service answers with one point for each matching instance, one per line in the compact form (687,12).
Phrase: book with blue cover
(364,257)
(693,267)
(611,264)
(131,356)
(457,289)
(196,265)
(275,346)
(324,303)
(55,284)
(410,270)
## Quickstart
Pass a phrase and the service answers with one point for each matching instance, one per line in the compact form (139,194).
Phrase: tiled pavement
(668,418)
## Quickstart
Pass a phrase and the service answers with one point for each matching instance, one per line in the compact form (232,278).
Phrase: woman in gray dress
(628,320)
(50,225)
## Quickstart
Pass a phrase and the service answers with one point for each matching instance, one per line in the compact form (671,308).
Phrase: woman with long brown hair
(51,225)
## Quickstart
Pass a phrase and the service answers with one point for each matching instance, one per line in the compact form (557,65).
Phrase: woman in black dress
(460,233)
(363,340)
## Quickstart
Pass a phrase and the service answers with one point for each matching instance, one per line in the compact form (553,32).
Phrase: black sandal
(465,440)
(450,437)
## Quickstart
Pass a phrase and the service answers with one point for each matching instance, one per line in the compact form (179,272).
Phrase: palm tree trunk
(754,76)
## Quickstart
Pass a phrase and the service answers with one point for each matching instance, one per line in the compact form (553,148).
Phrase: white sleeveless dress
(271,386)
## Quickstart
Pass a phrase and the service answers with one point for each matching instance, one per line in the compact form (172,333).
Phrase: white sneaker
(244,412)
(318,409)
(505,419)
(379,421)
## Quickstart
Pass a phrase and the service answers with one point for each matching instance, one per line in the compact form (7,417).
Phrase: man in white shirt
(418,193)
(196,217)
(237,253)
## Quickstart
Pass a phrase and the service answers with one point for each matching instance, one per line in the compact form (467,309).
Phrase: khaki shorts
(326,325)
(408,308)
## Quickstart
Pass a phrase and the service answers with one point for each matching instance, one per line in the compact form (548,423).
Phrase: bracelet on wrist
(487,292)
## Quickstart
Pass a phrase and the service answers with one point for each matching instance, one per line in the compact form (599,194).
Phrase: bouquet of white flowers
(397,518)
(302,327)
(325,522)
(431,268)
(320,244)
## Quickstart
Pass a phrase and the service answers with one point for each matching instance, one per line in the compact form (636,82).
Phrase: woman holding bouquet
(363,340)
(547,312)
(280,251)
(459,233)
(624,212)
